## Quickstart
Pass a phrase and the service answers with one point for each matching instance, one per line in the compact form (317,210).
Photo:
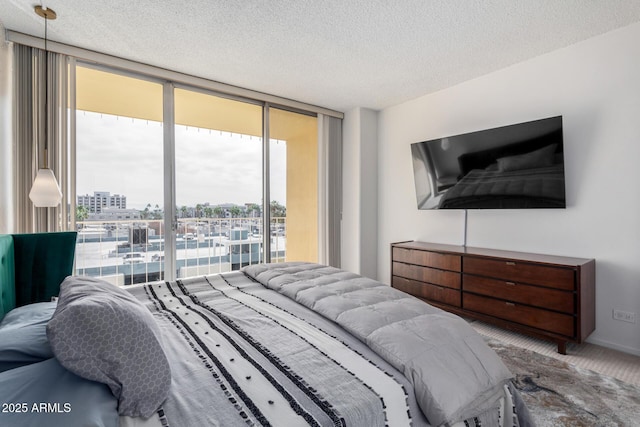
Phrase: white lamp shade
(45,191)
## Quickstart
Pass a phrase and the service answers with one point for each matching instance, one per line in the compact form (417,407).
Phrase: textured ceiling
(338,54)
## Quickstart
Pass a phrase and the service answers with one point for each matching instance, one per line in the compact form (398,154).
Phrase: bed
(273,344)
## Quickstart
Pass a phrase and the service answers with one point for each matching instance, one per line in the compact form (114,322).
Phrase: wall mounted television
(520,166)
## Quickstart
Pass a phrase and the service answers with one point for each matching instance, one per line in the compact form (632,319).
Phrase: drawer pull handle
(510,263)
(510,304)
(509,283)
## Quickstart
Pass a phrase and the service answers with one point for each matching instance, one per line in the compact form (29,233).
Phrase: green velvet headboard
(7,274)
(32,266)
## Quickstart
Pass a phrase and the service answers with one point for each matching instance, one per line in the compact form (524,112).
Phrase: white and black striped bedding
(242,354)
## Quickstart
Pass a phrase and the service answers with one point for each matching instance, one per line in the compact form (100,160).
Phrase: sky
(124,156)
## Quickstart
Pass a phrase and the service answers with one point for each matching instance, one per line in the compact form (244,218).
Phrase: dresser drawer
(557,323)
(548,298)
(428,259)
(522,272)
(426,274)
(424,290)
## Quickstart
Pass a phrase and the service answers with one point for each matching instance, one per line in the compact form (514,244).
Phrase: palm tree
(218,212)
(235,211)
(82,213)
(183,211)
(253,208)
(157,213)
(277,210)
(145,212)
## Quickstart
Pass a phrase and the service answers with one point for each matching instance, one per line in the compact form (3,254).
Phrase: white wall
(6,223)
(595,86)
(360,192)
(350,227)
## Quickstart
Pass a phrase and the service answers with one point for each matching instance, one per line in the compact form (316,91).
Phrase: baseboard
(614,346)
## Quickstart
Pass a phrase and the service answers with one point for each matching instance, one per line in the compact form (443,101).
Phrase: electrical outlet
(625,316)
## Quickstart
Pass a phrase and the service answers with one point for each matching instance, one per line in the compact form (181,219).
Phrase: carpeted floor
(609,362)
(558,393)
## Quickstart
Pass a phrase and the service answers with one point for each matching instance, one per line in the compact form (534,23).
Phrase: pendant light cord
(46,97)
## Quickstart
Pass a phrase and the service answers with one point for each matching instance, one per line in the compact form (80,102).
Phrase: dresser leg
(562,347)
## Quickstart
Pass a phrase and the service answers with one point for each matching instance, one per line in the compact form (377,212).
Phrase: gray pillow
(102,333)
(540,158)
(23,336)
(78,401)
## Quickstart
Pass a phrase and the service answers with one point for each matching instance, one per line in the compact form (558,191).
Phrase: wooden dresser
(549,297)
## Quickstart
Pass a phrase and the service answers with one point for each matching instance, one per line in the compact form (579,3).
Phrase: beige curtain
(330,189)
(29,134)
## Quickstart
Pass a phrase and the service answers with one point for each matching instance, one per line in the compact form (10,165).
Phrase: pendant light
(45,191)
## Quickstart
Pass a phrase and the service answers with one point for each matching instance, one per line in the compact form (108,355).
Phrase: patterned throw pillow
(102,333)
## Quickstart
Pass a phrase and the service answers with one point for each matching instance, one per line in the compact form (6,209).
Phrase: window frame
(170,220)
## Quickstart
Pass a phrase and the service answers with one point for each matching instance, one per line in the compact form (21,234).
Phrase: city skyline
(82,200)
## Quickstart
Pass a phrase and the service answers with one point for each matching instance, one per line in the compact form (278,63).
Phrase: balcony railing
(133,251)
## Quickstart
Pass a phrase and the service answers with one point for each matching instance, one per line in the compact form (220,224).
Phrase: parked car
(133,258)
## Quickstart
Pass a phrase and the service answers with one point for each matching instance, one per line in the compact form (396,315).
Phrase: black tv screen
(519,166)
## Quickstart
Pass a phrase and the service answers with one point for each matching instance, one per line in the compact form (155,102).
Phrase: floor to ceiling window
(119,176)
(218,181)
(217,196)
